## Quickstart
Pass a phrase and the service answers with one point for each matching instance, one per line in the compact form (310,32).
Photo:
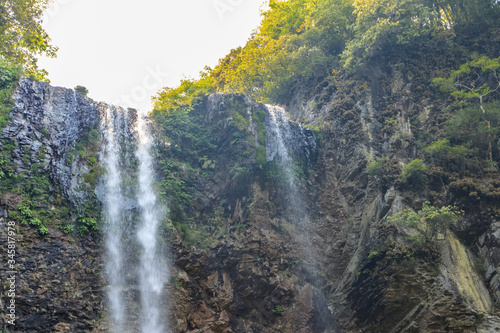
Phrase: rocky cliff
(49,151)
(242,259)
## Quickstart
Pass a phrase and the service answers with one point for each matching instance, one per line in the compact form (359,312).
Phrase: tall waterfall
(153,273)
(134,258)
(113,198)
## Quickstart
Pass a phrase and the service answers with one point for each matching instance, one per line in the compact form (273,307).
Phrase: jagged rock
(52,119)
(254,275)
(62,328)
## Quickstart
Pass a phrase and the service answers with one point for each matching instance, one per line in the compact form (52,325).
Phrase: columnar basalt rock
(51,120)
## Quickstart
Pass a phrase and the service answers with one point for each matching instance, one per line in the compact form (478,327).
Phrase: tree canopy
(22,37)
(303,42)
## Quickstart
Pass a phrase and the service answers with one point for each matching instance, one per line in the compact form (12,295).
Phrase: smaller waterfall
(278,134)
(282,135)
(153,272)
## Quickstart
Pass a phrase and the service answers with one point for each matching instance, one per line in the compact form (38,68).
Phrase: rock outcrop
(49,121)
(240,258)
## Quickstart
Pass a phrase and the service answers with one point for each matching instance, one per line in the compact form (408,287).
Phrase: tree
(385,22)
(171,99)
(22,37)
(474,80)
(414,173)
(465,12)
(82,90)
(429,221)
(296,45)
(9,76)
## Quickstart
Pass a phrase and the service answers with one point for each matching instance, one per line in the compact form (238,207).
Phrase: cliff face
(46,185)
(51,120)
(242,259)
(382,281)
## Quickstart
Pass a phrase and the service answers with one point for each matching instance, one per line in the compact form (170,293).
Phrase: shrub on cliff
(9,75)
(82,90)
(414,173)
(427,222)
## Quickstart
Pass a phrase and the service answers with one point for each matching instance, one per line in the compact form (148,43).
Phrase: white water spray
(279,139)
(278,133)
(153,271)
(113,212)
(132,221)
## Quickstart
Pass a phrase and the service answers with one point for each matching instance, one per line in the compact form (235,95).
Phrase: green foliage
(427,222)
(453,158)
(189,155)
(186,133)
(466,148)
(86,224)
(301,43)
(9,77)
(22,36)
(261,155)
(92,161)
(43,204)
(297,43)
(239,172)
(171,99)
(386,22)
(278,310)
(467,81)
(3,162)
(29,217)
(470,81)
(374,168)
(414,173)
(382,23)
(82,90)
(240,122)
(373,254)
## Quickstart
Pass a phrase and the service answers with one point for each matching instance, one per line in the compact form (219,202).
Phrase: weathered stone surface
(51,120)
(58,282)
(256,276)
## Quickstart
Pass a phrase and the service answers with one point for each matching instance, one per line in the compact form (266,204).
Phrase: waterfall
(278,135)
(133,252)
(284,137)
(153,273)
(110,156)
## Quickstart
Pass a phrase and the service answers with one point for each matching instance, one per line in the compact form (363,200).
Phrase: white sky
(124,51)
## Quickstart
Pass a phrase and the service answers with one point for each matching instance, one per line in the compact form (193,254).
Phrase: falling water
(153,272)
(110,156)
(279,137)
(132,220)
(278,133)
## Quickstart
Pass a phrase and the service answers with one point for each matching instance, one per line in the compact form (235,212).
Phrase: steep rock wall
(51,120)
(238,255)
(59,284)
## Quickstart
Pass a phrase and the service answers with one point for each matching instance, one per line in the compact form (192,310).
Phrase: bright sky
(124,51)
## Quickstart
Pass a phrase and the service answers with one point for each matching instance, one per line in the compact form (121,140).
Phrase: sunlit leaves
(22,37)
(429,221)
(301,42)
(467,81)
(170,99)
(383,22)
(298,41)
